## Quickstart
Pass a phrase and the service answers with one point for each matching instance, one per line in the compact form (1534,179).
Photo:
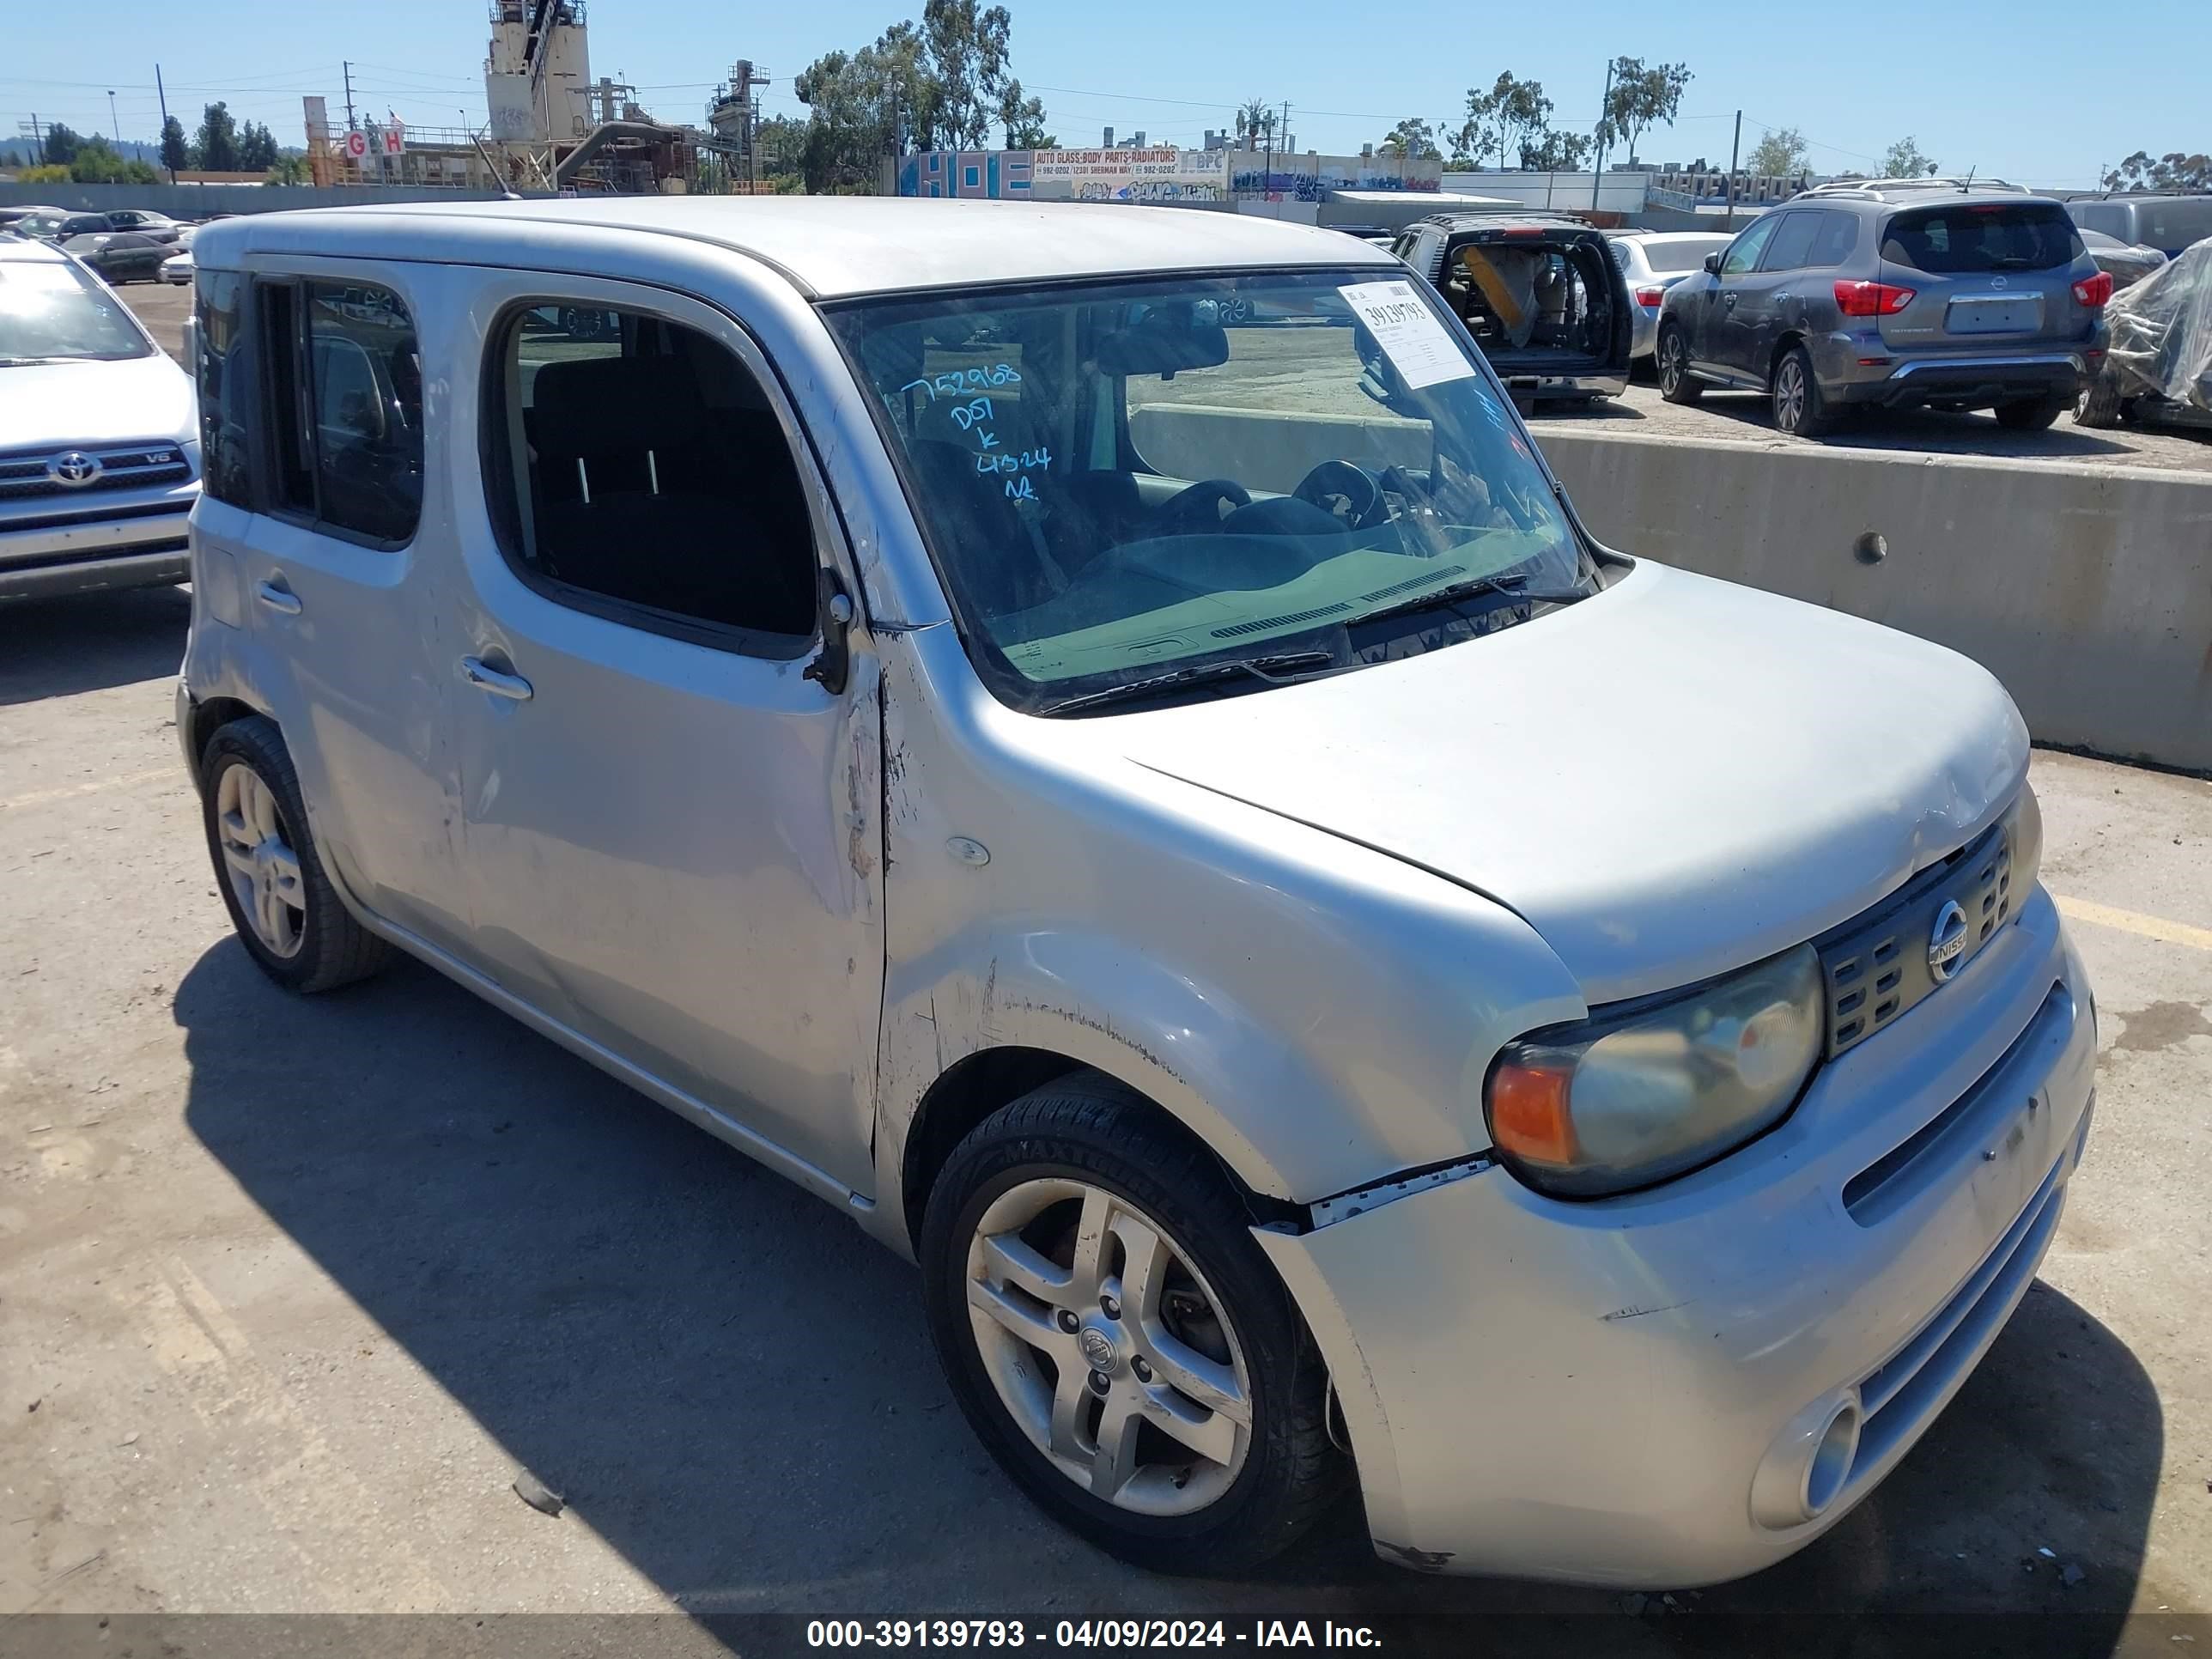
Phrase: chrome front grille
(26,475)
(1880,964)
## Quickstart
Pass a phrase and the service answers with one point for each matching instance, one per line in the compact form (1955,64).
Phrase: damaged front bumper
(1684,1385)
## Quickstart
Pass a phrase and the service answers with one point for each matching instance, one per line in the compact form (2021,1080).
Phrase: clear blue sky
(2039,91)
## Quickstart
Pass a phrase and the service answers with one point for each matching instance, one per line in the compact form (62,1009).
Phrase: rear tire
(1029,1323)
(1672,356)
(2030,414)
(287,915)
(2098,405)
(1799,409)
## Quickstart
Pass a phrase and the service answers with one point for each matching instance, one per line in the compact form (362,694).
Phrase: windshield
(1126,481)
(1967,237)
(50,310)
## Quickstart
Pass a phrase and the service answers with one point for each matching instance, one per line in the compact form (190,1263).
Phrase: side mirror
(833,665)
(1713,264)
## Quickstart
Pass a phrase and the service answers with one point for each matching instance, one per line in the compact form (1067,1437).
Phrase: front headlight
(1611,1104)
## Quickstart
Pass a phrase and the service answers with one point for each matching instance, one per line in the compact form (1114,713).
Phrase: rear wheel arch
(1791,338)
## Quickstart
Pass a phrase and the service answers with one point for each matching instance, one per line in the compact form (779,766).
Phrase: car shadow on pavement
(733,1387)
(86,642)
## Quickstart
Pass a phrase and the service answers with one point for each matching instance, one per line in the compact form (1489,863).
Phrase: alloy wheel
(1670,360)
(259,857)
(1788,395)
(1108,1348)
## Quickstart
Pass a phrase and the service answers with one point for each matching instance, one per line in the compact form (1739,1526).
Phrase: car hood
(1666,780)
(76,404)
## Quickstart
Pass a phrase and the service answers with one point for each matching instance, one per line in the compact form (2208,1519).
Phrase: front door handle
(513,687)
(1729,299)
(277,597)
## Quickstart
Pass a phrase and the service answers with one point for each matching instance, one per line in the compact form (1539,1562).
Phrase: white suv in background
(98,451)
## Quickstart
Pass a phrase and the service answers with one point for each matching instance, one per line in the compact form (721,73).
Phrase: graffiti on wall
(1154,175)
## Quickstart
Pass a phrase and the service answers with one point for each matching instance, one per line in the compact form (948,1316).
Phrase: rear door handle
(277,597)
(513,687)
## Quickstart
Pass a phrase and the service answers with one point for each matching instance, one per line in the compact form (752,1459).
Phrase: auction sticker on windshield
(1408,332)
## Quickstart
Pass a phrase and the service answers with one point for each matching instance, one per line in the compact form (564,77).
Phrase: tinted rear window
(1982,236)
(2173,224)
(1667,258)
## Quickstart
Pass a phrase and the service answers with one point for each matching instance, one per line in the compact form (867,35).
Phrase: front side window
(345,409)
(1306,471)
(636,468)
(51,312)
(1743,254)
(1968,237)
(1793,242)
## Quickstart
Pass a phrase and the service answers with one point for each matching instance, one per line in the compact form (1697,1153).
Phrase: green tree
(257,148)
(1412,138)
(135,171)
(863,106)
(96,162)
(217,145)
(1506,118)
(2174,171)
(1905,160)
(176,155)
(1556,152)
(62,145)
(48,174)
(1023,119)
(1640,98)
(1477,135)
(1780,154)
(967,46)
(287,170)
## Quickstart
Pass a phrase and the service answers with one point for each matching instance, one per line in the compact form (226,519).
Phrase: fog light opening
(1831,1461)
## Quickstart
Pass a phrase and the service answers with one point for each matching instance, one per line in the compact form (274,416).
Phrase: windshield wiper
(1266,670)
(1514,583)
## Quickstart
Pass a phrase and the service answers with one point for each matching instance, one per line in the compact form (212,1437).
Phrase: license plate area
(1998,315)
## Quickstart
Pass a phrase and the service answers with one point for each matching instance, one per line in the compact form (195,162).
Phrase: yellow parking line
(40,797)
(2134,922)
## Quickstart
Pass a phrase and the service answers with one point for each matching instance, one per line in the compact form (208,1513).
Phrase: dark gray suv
(1893,293)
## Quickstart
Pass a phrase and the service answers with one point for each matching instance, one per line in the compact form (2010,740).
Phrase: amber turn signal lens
(1528,1114)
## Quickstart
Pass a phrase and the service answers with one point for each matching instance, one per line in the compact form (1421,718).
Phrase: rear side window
(635,468)
(224,372)
(2173,224)
(1967,237)
(1835,241)
(345,408)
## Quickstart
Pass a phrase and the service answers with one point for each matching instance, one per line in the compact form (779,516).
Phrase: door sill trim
(714,1121)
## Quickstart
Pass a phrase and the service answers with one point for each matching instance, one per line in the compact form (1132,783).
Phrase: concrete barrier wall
(2086,590)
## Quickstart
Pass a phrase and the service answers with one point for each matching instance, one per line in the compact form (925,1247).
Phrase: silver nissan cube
(1089,738)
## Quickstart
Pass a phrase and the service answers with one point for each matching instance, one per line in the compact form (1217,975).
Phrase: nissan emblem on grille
(75,469)
(1947,940)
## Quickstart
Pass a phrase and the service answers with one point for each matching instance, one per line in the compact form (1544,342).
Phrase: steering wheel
(1347,492)
(1181,513)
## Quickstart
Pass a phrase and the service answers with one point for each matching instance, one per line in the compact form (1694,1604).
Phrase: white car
(1089,740)
(178,268)
(99,445)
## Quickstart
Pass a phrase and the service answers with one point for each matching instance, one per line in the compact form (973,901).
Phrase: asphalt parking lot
(291,1290)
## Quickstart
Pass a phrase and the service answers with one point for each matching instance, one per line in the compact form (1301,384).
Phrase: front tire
(1799,409)
(1117,1338)
(287,916)
(1676,384)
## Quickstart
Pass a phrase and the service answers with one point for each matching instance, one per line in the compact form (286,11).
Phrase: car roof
(829,246)
(27,249)
(1651,236)
(1475,221)
(1877,194)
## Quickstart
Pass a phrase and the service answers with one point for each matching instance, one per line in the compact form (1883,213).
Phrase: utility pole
(114,124)
(346,69)
(1597,160)
(1735,145)
(161,92)
(38,139)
